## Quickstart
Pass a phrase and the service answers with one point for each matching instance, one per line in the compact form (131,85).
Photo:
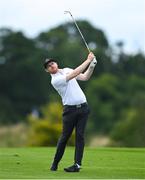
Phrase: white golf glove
(93,63)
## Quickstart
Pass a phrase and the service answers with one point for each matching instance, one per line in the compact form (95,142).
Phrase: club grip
(95,60)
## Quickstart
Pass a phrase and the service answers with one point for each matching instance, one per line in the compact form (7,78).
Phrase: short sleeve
(69,70)
(59,81)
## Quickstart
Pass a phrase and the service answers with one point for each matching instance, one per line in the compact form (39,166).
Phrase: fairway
(98,163)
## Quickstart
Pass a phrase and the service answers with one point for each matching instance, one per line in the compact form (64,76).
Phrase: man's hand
(92,59)
(81,68)
(92,63)
(91,56)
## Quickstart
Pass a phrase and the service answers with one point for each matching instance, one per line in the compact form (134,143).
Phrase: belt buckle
(78,106)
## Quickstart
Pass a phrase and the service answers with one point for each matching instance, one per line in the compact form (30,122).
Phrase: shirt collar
(60,71)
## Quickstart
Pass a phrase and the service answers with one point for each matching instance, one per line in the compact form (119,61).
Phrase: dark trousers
(73,117)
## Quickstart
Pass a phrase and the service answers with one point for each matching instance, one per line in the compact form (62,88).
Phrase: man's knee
(80,136)
(64,138)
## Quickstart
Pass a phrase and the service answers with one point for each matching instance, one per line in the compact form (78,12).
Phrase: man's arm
(80,68)
(87,74)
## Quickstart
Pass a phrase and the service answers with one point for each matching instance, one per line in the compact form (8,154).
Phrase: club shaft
(81,34)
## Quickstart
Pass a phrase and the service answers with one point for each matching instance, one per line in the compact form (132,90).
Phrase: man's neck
(58,71)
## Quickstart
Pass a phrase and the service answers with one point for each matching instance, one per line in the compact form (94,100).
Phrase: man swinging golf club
(76,110)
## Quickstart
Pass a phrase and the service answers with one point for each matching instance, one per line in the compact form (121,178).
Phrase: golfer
(76,110)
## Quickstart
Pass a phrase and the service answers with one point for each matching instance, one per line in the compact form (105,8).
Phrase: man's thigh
(69,120)
(82,119)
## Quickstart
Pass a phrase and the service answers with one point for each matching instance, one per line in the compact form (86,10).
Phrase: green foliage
(104,98)
(23,81)
(130,130)
(45,131)
(117,81)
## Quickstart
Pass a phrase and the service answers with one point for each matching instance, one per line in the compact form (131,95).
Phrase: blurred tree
(104,97)
(45,131)
(25,85)
(23,80)
(132,86)
(130,130)
(129,65)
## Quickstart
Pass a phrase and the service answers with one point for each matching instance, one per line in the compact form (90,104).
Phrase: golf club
(68,12)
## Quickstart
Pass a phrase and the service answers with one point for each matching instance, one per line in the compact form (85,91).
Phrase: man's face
(52,67)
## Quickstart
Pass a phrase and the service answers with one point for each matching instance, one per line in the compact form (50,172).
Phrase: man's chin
(54,72)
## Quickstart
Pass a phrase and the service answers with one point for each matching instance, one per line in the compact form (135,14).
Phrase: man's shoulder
(67,69)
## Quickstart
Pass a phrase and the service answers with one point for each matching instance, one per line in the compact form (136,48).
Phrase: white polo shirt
(70,91)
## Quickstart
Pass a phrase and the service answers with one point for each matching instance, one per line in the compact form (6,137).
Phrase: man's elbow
(72,75)
(86,78)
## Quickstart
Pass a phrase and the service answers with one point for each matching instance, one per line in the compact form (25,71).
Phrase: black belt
(76,106)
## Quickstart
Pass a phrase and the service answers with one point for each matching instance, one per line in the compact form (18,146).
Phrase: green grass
(98,163)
